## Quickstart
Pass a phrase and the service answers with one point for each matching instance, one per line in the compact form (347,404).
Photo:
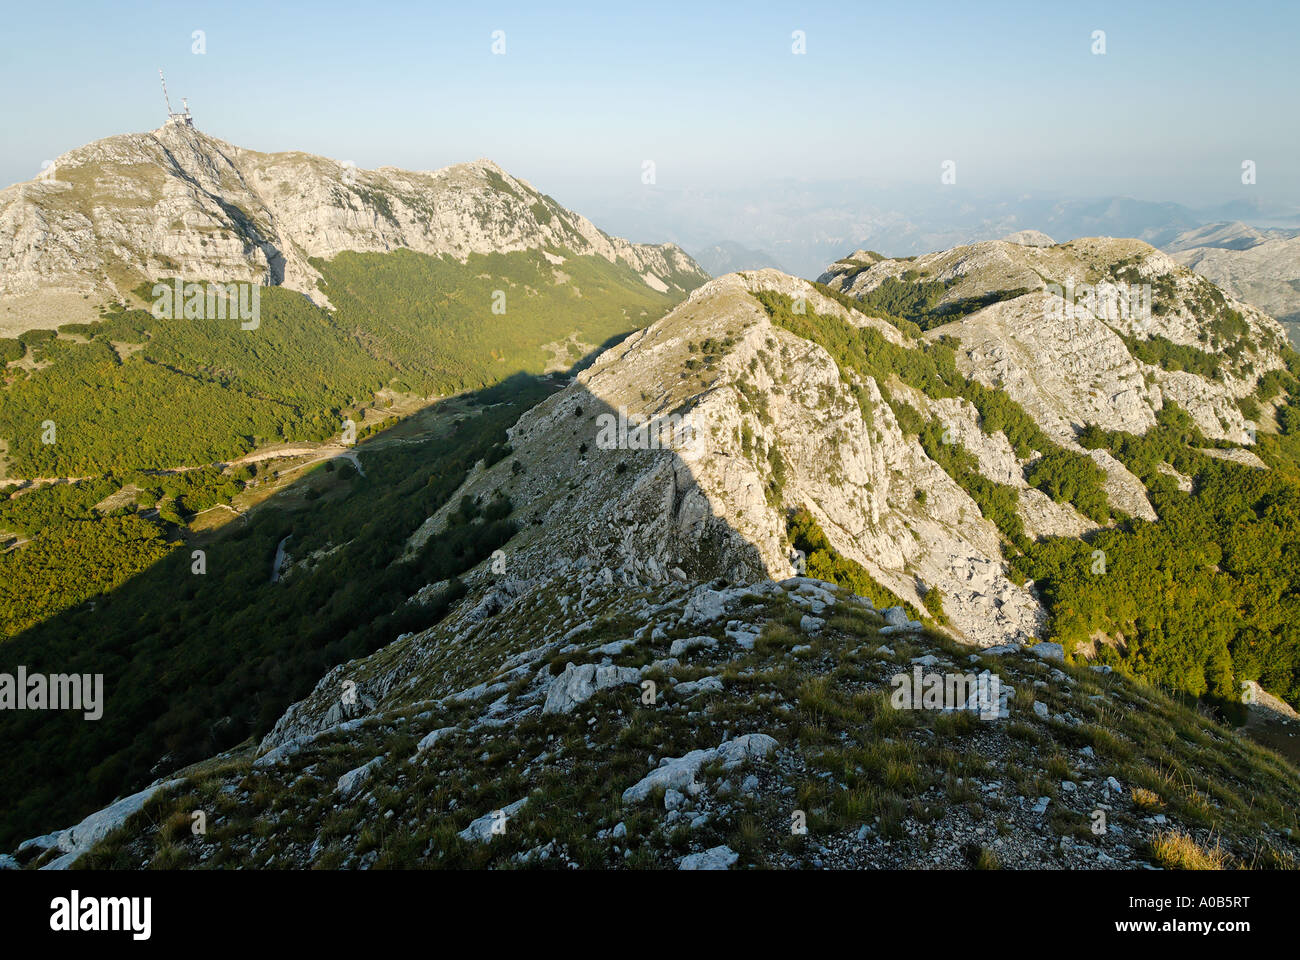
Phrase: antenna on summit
(181,119)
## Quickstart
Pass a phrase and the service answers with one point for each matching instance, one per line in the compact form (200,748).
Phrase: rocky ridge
(712,506)
(1069,365)
(587,723)
(177,202)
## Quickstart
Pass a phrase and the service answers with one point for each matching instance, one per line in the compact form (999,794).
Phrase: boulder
(1048,651)
(716,858)
(679,773)
(686,644)
(577,684)
(352,781)
(481,829)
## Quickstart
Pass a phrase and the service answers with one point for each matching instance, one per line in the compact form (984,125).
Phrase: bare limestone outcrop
(177,202)
(773,428)
(1064,356)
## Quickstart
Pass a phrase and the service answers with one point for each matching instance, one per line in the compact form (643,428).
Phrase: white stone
(716,858)
(1048,651)
(577,684)
(481,829)
(351,782)
(686,644)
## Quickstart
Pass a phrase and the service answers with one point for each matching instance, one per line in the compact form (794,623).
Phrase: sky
(713,94)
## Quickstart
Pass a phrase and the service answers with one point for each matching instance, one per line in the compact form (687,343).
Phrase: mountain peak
(178,202)
(1030,238)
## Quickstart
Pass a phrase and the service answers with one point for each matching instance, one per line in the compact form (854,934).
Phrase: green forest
(437,328)
(136,391)
(128,426)
(195,664)
(1204,598)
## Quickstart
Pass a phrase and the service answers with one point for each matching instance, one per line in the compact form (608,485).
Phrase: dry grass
(1146,799)
(1175,850)
(987,860)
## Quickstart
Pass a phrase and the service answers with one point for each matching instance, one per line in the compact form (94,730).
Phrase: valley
(393,565)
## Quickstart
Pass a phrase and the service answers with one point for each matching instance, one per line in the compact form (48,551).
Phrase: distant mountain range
(728,257)
(1258,266)
(804,225)
(177,202)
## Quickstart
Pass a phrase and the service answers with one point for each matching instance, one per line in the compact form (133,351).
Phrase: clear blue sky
(711,93)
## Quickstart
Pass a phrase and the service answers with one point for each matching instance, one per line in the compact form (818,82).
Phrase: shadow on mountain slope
(194,663)
(528,704)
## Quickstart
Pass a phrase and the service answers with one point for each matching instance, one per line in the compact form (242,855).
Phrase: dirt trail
(326,450)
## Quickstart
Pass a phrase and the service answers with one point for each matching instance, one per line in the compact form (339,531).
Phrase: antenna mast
(184,119)
(166,98)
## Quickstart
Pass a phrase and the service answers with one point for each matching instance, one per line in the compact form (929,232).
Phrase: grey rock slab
(687,644)
(577,684)
(896,616)
(716,858)
(1048,651)
(352,781)
(481,828)
(75,841)
(693,687)
(431,738)
(679,773)
(676,773)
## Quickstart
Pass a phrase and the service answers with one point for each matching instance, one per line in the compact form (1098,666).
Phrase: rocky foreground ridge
(598,721)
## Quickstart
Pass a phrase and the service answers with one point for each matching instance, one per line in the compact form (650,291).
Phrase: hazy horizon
(726,110)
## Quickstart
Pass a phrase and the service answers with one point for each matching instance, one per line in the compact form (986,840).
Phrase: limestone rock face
(177,202)
(1065,374)
(771,427)
(348,702)
(1259,267)
(684,447)
(1041,516)
(75,841)
(1065,358)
